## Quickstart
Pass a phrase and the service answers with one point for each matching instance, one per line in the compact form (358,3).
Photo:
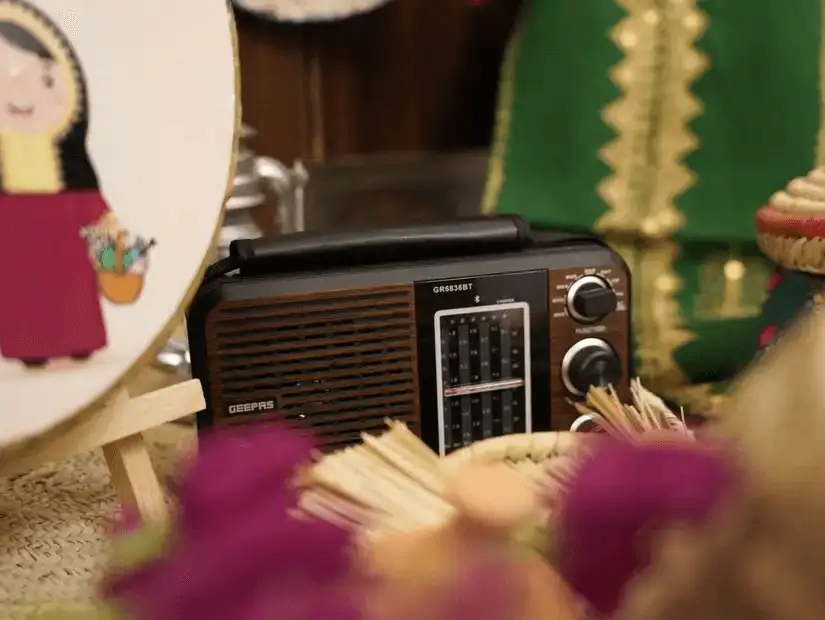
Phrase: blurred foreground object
(650,523)
(393,483)
(764,556)
(617,500)
(491,502)
(236,550)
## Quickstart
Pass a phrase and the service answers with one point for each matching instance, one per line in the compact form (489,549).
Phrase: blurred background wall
(414,75)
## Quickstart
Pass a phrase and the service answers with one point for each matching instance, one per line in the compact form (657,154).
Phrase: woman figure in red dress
(49,301)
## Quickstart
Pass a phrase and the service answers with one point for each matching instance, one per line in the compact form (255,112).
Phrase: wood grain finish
(566,331)
(337,363)
(274,86)
(410,76)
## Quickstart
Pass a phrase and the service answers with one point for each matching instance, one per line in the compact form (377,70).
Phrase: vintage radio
(464,331)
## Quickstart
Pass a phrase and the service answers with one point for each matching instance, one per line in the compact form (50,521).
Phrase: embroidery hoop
(113,420)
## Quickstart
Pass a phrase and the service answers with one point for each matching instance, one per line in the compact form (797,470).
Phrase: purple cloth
(622,495)
(236,552)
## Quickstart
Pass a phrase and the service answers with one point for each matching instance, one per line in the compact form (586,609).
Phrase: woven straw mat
(53,522)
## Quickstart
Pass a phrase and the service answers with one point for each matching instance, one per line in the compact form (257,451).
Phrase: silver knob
(581,422)
(590,299)
(589,362)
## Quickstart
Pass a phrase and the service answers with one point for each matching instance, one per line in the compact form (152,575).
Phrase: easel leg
(134,477)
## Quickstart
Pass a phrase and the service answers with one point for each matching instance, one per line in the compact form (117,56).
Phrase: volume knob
(590,362)
(590,298)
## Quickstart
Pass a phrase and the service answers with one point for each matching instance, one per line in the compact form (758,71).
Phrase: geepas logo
(264,405)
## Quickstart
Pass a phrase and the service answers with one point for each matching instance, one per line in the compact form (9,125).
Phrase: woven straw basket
(415,512)
(394,483)
(527,453)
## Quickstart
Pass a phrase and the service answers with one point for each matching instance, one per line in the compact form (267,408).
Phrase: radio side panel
(208,297)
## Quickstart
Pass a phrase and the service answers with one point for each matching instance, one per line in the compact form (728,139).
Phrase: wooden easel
(118,429)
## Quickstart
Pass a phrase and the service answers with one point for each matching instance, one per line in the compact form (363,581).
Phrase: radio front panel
(479,341)
(511,353)
(584,349)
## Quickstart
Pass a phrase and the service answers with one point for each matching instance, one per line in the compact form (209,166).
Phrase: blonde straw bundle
(394,483)
(390,483)
(648,413)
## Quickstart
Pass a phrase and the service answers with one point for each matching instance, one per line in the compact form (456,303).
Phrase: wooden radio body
(462,335)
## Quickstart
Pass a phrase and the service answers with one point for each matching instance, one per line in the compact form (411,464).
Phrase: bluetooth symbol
(477,299)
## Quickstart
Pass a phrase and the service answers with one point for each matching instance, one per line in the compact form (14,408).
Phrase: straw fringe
(394,482)
(798,253)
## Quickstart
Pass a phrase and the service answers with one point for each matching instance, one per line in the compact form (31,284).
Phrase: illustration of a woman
(49,300)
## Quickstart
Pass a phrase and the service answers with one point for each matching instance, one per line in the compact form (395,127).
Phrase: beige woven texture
(53,523)
(797,253)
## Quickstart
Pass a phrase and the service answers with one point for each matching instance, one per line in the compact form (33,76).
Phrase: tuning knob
(590,362)
(590,298)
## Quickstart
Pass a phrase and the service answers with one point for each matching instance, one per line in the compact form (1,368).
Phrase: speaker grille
(337,363)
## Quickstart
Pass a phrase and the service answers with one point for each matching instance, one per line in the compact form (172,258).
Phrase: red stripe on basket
(773,221)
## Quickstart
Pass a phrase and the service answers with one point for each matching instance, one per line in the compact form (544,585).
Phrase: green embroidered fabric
(664,126)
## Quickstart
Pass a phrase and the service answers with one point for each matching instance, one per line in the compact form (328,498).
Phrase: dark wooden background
(414,75)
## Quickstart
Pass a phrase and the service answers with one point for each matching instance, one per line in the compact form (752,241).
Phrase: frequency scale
(483,358)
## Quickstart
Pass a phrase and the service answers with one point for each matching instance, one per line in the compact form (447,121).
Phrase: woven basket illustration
(118,286)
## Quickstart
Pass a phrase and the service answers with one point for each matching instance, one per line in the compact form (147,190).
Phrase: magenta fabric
(620,498)
(50,303)
(236,552)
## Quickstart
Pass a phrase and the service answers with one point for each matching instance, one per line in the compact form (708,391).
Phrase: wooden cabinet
(414,75)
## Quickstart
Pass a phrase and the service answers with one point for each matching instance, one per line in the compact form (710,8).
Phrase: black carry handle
(302,251)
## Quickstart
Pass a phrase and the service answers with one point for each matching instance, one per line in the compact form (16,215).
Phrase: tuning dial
(590,362)
(590,298)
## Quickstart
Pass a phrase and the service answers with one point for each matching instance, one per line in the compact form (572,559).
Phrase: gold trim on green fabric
(652,117)
(683,25)
(653,136)
(730,286)
(625,155)
(506,92)
(657,318)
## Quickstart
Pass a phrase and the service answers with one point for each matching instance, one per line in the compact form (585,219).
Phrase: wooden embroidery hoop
(117,422)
